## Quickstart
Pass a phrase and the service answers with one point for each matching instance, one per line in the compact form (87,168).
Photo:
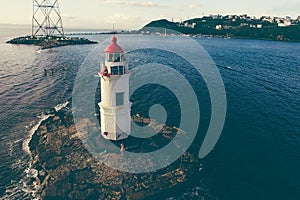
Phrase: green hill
(228,26)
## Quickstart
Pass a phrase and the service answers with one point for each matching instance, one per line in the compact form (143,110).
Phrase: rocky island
(46,42)
(66,169)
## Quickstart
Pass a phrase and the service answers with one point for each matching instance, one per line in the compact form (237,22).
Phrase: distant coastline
(230,26)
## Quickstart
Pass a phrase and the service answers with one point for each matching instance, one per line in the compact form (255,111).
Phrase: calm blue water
(257,156)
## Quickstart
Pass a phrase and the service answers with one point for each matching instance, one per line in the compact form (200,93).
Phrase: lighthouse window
(119,98)
(114,57)
(122,58)
(114,70)
(117,58)
(111,56)
(117,70)
(121,70)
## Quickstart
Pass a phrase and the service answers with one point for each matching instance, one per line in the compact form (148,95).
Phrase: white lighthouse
(115,105)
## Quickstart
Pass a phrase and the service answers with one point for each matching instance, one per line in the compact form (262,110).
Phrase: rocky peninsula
(67,170)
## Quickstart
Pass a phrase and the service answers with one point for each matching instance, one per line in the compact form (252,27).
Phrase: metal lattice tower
(46,20)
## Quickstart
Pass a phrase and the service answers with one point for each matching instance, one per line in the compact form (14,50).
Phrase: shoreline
(43,117)
(221,37)
(25,145)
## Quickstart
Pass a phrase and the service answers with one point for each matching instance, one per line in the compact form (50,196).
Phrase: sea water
(257,156)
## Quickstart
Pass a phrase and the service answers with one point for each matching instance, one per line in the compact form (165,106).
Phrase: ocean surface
(257,155)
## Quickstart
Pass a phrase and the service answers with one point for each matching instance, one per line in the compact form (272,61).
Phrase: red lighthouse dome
(114,47)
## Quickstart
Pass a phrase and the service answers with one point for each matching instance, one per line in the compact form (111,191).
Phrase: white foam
(39,51)
(25,145)
(61,106)
(25,185)
(31,173)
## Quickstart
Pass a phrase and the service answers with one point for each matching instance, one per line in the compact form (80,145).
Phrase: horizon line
(132,29)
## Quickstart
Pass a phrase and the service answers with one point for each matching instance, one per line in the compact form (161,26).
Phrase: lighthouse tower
(114,105)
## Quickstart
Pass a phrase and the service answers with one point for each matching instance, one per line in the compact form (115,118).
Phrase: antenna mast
(46,19)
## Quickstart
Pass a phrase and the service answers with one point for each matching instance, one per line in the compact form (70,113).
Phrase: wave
(43,118)
(26,142)
(61,106)
(26,188)
(225,67)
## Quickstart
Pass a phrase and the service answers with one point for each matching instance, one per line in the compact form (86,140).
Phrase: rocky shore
(66,169)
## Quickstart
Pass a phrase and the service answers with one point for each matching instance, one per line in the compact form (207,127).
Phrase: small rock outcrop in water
(66,169)
(50,42)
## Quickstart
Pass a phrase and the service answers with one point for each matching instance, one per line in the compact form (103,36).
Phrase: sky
(134,14)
